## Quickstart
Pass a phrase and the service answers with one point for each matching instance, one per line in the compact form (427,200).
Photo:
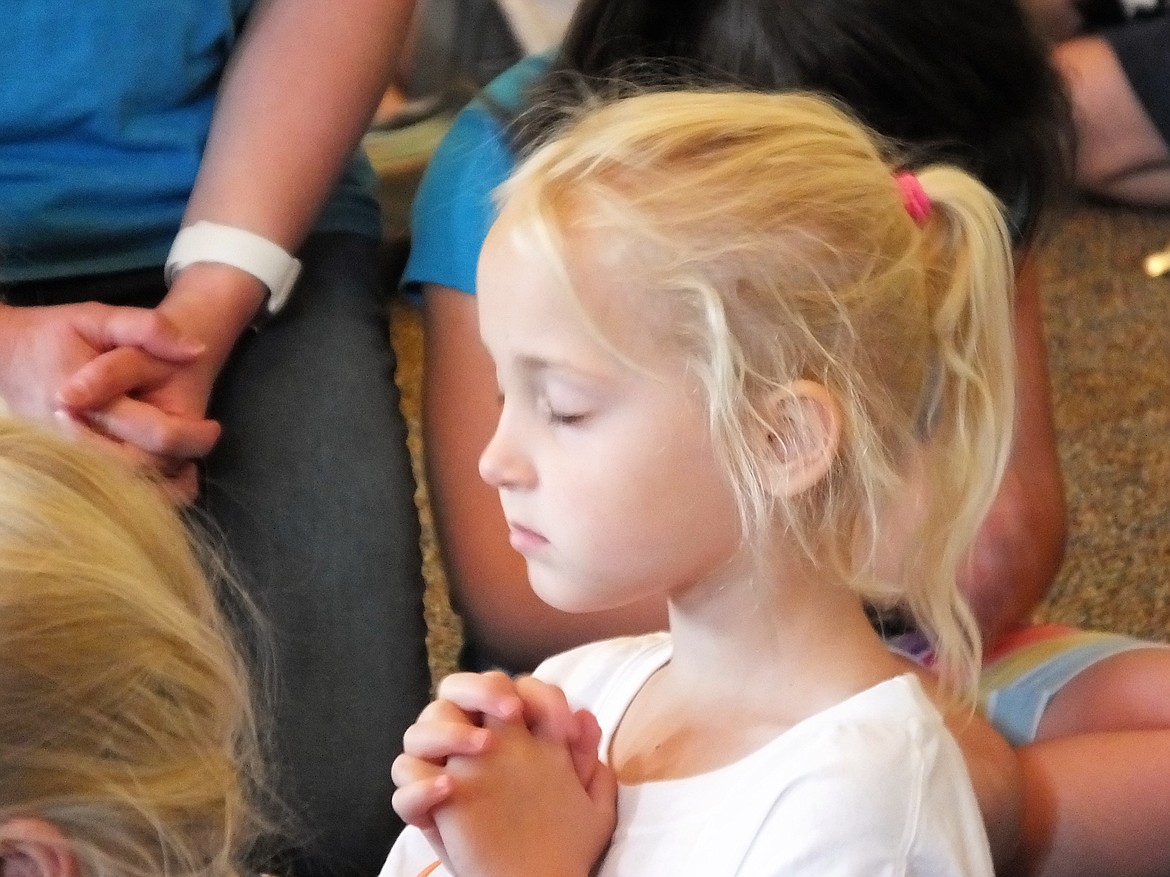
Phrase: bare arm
(294,102)
(1021,545)
(488,579)
(1120,152)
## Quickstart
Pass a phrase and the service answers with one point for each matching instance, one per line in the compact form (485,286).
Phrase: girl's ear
(803,422)
(31,847)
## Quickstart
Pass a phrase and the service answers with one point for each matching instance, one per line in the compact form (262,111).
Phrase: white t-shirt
(871,787)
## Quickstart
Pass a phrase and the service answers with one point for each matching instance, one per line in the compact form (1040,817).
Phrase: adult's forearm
(296,98)
(294,102)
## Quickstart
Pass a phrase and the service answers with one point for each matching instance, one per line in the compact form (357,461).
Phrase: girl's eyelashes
(567,415)
(564,419)
(560,417)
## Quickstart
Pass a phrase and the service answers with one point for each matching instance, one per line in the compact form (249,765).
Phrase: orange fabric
(1024,636)
(430,869)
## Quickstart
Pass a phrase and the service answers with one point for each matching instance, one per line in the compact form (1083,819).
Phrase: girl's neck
(752,656)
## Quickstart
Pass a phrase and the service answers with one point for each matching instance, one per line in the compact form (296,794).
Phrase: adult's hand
(41,348)
(159,407)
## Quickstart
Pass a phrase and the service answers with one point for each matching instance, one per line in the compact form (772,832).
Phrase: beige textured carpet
(1109,351)
(1109,343)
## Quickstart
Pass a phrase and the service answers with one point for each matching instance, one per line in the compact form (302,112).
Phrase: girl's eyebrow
(542,364)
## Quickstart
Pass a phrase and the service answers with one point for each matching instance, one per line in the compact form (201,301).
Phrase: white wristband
(206,241)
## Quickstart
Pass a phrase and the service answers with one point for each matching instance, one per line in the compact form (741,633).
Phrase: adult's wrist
(213,242)
(215,303)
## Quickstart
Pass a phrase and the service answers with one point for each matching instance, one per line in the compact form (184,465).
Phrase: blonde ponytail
(967,412)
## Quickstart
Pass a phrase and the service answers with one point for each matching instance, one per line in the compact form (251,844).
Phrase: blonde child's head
(127,744)
(770,238)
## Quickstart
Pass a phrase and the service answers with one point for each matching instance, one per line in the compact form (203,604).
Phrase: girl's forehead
(570,258)
(588,276)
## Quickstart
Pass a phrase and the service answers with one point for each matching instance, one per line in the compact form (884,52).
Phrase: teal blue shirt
(453,209)
(105,107)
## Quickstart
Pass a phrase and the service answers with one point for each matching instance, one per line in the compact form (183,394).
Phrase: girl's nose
(502,465)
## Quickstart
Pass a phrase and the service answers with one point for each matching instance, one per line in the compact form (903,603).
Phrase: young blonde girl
(128,746)
(744,359)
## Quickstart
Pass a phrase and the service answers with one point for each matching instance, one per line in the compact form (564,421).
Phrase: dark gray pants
(311,485)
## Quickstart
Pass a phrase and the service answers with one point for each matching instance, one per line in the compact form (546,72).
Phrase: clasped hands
(135,381)
(504,780)
(126,379)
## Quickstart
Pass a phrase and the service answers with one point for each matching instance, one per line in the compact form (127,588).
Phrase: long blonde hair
(125,712)
(772,229)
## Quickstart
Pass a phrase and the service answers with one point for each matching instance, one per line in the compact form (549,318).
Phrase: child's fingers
(442,712)
(421,786)
(546,711)
(180,477)
(406,769)
(415,802)
(602,788)
(436,741)
(583,750)
(489,694)
(154,431)
(80,430)
(445,711)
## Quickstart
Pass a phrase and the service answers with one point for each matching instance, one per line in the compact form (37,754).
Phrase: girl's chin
(564,596)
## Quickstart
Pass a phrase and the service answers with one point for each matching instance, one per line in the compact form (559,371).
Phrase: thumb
(108,327)
(602,791)
(583,747)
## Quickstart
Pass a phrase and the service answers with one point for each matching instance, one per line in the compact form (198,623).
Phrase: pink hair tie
(914,197)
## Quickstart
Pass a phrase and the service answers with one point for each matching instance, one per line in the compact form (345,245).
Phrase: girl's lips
(523,539)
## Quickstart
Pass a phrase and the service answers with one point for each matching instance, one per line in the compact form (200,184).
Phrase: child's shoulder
(608,671)
(606,657)
(884,763)
(891,722)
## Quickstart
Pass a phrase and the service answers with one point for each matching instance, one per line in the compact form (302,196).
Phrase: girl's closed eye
(563,415)
(566,403)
